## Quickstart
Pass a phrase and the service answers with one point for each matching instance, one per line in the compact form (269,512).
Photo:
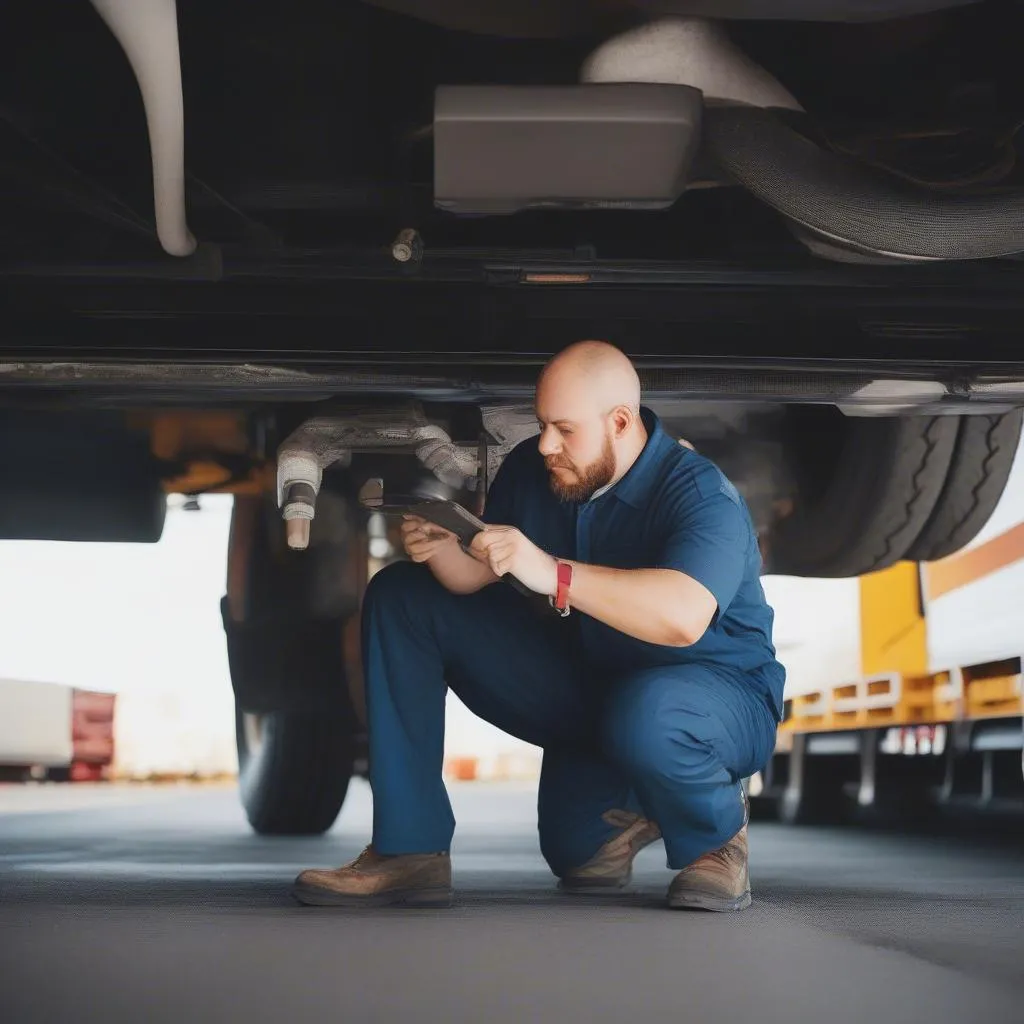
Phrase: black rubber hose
(854,205)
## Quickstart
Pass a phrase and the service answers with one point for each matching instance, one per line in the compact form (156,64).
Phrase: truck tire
(982,460)
(286,619)
(866,488)
(295,725)
(294,769)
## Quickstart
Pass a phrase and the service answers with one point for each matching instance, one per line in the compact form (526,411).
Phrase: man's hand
(507,550)
(423,540)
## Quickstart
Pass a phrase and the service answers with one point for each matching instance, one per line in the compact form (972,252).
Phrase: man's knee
(652,729)
(401,584)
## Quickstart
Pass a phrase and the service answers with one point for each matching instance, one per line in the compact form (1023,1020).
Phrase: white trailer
(52,731)
(35,727)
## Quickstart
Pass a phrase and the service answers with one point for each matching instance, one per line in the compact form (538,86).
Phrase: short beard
(591,479)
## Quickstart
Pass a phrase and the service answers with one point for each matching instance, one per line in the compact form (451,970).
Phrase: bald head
(593,373)
(588,408)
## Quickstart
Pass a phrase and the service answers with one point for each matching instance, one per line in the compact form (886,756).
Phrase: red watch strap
(564,583)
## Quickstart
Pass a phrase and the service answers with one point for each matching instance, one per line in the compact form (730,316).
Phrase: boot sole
(314,896)
(598,886)
(593,888)
(701,901)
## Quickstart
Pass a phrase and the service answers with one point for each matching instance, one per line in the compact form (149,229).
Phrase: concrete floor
(160,905)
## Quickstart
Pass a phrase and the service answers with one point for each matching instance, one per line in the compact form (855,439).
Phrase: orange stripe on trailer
(969,566)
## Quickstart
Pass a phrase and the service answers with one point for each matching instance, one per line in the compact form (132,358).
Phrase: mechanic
(652,698)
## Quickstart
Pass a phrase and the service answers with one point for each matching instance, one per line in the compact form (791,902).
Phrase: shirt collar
(635,487)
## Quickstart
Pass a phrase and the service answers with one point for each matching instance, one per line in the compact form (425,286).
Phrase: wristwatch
(560,602)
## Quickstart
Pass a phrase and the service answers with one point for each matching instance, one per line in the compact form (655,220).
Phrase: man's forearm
(659,606)
(458,572)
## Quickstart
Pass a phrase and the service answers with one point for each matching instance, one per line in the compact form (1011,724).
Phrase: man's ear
(624,419)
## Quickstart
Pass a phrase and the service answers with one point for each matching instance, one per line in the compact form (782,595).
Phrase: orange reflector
(463,769)
(556,279)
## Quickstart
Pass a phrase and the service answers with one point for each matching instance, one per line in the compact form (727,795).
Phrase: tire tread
(982,460)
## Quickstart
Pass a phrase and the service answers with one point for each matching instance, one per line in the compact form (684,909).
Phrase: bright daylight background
(144,622)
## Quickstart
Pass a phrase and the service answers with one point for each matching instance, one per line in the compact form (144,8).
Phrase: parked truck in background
(55,732)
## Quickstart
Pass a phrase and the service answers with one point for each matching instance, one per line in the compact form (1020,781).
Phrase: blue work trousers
(670,742)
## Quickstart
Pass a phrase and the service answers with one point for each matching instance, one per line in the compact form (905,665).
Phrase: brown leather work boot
(374,880)
(612,866)
(720,880)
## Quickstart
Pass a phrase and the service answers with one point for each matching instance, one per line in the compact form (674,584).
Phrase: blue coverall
(665,731)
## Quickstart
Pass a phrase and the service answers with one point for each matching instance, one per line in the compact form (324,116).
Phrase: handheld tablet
(450,516)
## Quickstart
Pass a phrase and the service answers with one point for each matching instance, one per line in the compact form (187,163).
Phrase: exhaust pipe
(836,208)
(841,205)
(148,33)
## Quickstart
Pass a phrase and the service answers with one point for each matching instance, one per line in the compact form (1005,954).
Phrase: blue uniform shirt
(674,509)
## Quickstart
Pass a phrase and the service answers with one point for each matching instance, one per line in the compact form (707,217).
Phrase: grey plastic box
(498,149)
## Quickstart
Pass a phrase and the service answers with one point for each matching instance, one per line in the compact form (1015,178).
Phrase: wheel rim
(252,730)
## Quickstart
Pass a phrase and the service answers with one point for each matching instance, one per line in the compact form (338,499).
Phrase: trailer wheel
(815,791)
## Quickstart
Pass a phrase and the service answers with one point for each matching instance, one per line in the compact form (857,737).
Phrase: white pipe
(148,33)
(687,51)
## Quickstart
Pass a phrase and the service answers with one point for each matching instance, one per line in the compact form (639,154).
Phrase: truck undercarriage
(803,222)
